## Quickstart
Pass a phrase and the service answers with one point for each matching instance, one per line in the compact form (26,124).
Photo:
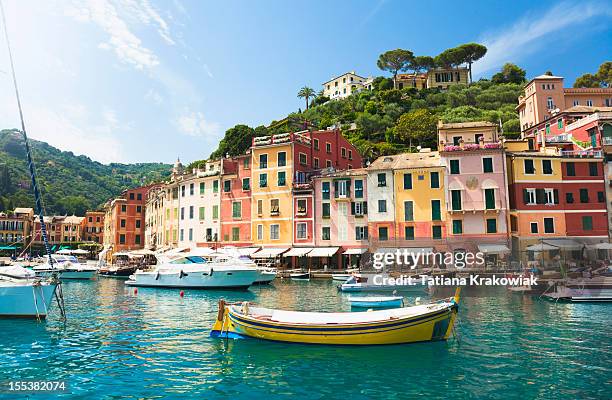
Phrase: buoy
(135,290)
(182,294)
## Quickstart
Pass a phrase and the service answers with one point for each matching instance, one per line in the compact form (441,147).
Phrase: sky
(150,81)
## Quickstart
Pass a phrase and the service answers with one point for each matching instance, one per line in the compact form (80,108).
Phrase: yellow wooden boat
(422,323)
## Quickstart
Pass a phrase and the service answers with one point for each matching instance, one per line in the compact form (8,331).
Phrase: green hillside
(70,184)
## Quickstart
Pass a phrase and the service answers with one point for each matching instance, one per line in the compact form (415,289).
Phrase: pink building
(476,186)
(341,214)
(236,202)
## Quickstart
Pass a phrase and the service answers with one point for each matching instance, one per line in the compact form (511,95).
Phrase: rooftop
(459,125)
(341,75)
(407,160)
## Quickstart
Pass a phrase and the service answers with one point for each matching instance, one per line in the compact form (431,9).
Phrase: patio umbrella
(601,246)
(540,247)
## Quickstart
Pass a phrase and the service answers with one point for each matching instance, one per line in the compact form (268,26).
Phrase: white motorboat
(596,289)
(24,295)
(66,267)
(266,274)
(193,271)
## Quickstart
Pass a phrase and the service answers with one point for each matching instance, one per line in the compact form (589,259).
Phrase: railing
(606,141)
(473,206)
(473,147)
(281,138)
(581,153)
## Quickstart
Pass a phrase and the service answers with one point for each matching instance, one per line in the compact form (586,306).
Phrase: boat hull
(265,277)
(360,287)
(69,274)
(25,300)
(581,295)
(365,303)
(195,280)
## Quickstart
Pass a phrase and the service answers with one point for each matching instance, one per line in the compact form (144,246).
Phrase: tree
(237,140)
(510,73)
(418,126)
(604,74)
(306,93)
(382,83)
(395,61)
(450,58)
(603,78)
(420,64)
(586,81)
(471,52)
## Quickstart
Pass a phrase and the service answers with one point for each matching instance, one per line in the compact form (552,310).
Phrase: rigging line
(39,207)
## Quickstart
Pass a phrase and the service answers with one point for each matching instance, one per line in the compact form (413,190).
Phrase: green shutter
(487,164)
(454,167)
(491,225)
(456,200)
(490,199)
(457,226)
(435,210)
(436,232)
(587,223)
(408,211)
(409,230)
(407,181)
(435,180)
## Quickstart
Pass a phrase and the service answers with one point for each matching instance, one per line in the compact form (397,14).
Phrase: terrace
(282,138)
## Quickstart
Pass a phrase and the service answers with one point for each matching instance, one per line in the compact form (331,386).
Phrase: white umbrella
(601,246)
(79,251)
(540,247)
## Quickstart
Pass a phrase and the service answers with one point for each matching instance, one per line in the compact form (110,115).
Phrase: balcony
(471,147)
(281,138)
(606,141)
(582,153)
(475,206)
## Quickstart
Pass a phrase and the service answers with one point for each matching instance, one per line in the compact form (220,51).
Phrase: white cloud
(154,96)
(194,124)
(533,33)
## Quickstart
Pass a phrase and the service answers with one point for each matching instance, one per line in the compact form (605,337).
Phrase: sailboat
(22,294)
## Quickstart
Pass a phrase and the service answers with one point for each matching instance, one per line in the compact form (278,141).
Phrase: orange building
(93,226)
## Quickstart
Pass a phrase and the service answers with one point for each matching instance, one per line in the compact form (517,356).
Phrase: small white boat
(597,289)
(66,267)
(24,295)
(191,271)
(300,276)
(345,277)
(266,275)
(376,301)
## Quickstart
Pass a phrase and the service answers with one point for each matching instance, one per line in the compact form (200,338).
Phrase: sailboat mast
(37,197)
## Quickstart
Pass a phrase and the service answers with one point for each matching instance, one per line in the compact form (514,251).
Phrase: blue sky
(144,80)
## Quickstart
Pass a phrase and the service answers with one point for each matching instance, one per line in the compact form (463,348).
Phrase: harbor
(155,343)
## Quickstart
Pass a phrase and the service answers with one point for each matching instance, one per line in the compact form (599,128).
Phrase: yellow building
(420,209)
(272,180)
(444,77)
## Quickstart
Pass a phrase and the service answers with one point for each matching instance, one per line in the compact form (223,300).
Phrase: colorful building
(381,202)
(476,186)
(343,86)
(545,97)
(16,228)
(236,201)
(443,78)
(93,227)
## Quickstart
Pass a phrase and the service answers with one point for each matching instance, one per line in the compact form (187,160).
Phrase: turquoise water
(155,344)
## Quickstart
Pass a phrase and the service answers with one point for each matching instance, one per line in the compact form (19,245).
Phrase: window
(191,189)
(601,197)
(325,233)
(202,187)
(121,239)
(183,191)
(303,159)
(341,188)
(358,208)
(260,232)
(549,103)
(589,103)
(301,230)
(215,212)
(358,189)
(487,164)
(547,128)
(281,178)
(246,163)
(191,212)
(316,143)
(138,209)
(301,206)
(456,200)
(454,167)
(549,225)
(325,190)
(576,103)
(190,234)
(550,197)
(407,181)
(181,233)
(139,196)
(534,227)
(123,208)
(315,162)
(237,209)
(361,233)
(246,184)
(587,223)
(584,195)
(259,207)
(490,199)
(342,152)
(457,140)
(408,211)
(328,147)
(569,198)
(434,178)
(131,196)
(528,166)
(282,158)
(325,210)
(274,207)
(182,212)
(202,215)
(215,186)
(274,232)
(570,168)
(436,231)
(457,227)
(593,169)
(547,167)
(559,123)
(383,233)
(263,180)
(382,180)
(235,234)
(382,206)
(435,210)
(350,154)
(409,232)
(263,161)
(491,225)
(227,186)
